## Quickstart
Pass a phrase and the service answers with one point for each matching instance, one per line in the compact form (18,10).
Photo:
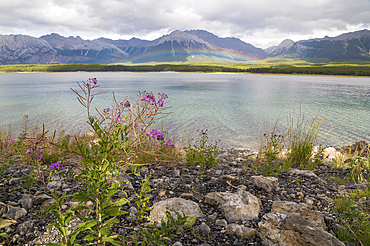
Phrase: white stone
(179,205)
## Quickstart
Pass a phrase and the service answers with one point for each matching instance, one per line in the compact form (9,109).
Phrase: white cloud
(262,22)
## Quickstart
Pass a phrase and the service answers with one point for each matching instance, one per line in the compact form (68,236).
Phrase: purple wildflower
(95,81)
(119,116)
(26,116)
(148,98)
(29,151)
(151,170)
(11,140)
(57,165)
(164,96)
(160,102)
(156,135)
(169,144)
(41,152)
(143,128)
(127,104)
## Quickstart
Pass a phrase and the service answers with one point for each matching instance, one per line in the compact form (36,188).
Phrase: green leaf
(82,198)
(4,223)
(119,203)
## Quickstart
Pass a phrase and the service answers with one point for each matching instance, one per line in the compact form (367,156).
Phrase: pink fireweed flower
(148,98)
(57,165)
(156,135)
(169,144)
(11,140)
(127,104)
(41,152)
(143,128)
(119,116)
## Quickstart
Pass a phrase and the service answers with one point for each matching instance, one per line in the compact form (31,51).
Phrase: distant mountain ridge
(178,46)
(353,46)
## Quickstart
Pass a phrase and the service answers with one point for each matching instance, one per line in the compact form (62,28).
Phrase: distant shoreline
(341,70)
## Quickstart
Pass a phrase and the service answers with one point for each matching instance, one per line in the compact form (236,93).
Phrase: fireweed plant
(200,153)
(119,134)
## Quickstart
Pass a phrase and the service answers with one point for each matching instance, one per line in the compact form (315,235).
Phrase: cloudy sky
(260,22)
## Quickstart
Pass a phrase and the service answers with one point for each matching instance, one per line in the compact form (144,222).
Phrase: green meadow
(268,66)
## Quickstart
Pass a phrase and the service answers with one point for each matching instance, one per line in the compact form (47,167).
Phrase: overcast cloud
(260,22)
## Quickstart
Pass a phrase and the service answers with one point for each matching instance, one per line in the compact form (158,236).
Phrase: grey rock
(221,222)
(307,173)
(13,213)
(176,173)
(23,228)
(187,178)
(229,178)
(26,202)
(235,206)
(37,200)
(125,183)
(285,207)
(202,231)
(54,185)
(144,171)
(240,231)
(267,183)
(45,205)
(179,205)
(212,217)
(292,230)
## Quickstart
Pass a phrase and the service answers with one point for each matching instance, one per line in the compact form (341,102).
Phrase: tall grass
(291,147)
(303,135)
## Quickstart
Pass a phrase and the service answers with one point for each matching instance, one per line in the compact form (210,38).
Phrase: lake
(230,106)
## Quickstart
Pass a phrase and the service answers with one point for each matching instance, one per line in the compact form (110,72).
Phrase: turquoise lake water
(230,106)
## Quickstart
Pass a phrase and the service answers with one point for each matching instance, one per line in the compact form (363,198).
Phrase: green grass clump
(355,222)
(360,193)
(292,147)
(303,135)
(337,180)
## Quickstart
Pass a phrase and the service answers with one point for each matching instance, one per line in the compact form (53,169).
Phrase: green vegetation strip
(297,69)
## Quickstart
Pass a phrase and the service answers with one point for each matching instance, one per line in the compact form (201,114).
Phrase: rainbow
(183,55)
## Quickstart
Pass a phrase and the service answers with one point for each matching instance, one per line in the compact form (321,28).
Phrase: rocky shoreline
(233,203)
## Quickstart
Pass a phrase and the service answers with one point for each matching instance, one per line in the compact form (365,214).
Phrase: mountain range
(178,46)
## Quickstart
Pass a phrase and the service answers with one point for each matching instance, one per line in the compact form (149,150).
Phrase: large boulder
(285,207)
(179,205)
(291,223)
(277,229)
(235,206)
